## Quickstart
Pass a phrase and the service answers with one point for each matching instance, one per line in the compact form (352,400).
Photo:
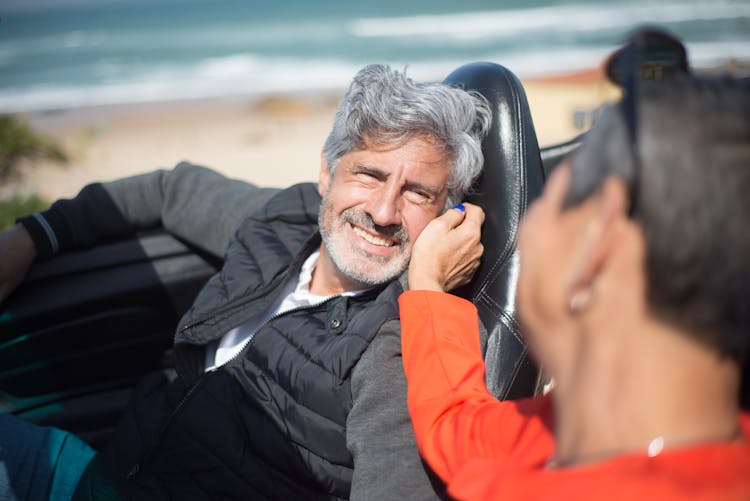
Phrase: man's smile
(372,239)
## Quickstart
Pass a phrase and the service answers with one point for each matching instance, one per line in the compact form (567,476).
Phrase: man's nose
(384,206)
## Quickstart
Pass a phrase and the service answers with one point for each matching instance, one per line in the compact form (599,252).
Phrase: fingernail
(460,207)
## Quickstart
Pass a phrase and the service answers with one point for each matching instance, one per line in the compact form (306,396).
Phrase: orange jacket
(486,449)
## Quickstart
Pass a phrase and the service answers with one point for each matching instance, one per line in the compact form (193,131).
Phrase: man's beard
(353,262)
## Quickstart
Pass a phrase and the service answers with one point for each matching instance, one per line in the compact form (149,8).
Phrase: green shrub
(18,141)
(17,206)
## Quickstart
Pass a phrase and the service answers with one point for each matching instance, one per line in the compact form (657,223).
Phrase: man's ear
(324,177)
(600,237)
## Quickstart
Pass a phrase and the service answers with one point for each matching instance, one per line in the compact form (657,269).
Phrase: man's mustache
(360,218)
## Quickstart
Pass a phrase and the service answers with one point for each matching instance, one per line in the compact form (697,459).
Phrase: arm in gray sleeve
(191,202)
(387,464)
(194,203)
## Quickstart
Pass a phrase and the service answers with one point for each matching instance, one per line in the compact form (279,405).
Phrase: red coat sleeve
(454,416)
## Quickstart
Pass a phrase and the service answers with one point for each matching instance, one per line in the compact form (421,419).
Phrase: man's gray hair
(692,197)
(387,107)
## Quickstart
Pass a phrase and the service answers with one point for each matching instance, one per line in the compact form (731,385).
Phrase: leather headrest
(512,177)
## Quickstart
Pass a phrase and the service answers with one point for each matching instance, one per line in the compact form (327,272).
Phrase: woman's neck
(646,386)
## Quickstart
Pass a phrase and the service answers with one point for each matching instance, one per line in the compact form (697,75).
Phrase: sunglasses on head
(649,54)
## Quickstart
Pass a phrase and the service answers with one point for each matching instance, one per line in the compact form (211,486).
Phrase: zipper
(270,319)
(242,301)
(295,266)
(177,408)
(237,303)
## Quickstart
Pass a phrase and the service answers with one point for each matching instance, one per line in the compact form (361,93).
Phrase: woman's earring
(580,300)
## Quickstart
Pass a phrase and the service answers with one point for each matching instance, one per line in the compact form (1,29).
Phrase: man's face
(375,205)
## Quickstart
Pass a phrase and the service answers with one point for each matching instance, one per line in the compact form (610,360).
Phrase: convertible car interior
(85,326)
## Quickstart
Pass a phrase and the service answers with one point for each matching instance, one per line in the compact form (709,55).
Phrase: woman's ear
(324,176)
(609,207)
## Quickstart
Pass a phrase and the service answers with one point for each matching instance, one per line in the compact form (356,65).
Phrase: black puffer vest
(271,423)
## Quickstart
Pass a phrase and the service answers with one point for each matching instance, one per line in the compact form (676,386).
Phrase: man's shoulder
(383,303)
(297,203)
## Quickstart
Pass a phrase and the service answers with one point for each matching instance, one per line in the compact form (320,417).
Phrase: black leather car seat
(513,176)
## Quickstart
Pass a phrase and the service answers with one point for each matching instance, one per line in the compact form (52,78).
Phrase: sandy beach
(273,140)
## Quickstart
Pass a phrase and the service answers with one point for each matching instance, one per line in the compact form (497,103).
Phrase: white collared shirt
(295,295)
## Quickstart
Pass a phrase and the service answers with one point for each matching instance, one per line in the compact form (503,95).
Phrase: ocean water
(68,53)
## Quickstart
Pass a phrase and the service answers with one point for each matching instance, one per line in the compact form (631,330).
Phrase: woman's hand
(447,252)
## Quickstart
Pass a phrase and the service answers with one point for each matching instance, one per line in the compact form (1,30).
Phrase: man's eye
(417,197)
(366,175)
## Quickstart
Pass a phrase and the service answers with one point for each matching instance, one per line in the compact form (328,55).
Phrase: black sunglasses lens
(649,55)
